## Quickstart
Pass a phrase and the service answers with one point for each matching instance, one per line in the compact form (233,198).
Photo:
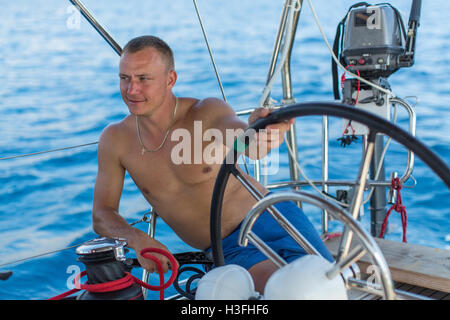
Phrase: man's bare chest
(157,175)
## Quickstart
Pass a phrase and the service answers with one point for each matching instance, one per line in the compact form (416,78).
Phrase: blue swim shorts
(275,237)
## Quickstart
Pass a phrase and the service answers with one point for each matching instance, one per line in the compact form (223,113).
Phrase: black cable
(188,293)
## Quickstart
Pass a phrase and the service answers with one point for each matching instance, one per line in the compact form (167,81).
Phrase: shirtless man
(141,145)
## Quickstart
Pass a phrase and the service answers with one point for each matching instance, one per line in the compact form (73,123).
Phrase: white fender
(230,282)
(305,279)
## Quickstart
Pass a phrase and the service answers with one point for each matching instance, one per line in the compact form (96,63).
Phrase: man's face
(145,80)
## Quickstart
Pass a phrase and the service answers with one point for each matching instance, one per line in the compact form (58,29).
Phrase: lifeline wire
(48,151)
(38,255)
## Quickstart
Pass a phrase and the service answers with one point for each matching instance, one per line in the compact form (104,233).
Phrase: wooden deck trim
(409,263)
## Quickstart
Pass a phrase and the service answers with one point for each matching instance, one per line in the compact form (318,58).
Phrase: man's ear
(171,78)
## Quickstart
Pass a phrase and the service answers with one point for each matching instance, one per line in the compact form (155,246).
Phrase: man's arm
(224,117)
(107,221)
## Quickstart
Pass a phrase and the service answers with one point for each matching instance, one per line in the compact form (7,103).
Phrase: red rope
(356,99)
(359,82)
(398,207)
(128,279)
(330,236)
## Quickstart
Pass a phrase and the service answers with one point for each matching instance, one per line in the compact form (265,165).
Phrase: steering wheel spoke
(368,243)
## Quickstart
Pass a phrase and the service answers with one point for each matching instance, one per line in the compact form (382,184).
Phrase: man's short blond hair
(147,41)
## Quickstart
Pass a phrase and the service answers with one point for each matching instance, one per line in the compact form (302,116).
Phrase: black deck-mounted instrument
(372,40)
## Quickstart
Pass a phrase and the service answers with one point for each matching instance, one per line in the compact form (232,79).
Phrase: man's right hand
(143,242)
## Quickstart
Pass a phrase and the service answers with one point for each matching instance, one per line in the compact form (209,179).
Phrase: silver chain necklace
(143,148)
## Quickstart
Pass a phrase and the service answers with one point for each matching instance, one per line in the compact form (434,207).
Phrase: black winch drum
(103,258)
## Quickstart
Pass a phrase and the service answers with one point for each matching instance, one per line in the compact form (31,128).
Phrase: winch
(104,260)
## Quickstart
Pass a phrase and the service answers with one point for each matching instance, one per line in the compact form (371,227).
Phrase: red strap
(128,279)
(356,99)
(329,236)
(359,82)
(65,294)
(398,207)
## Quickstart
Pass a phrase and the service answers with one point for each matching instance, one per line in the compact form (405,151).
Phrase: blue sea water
(59,88)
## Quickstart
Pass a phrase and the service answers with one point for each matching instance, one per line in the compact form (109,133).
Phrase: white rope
(297,164)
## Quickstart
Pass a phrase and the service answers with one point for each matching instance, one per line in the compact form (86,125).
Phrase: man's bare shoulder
(218,114)
(211,109)
(213,105)
(115,135)
(116,130)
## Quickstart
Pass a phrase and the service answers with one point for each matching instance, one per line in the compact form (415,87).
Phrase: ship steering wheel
(375,125)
